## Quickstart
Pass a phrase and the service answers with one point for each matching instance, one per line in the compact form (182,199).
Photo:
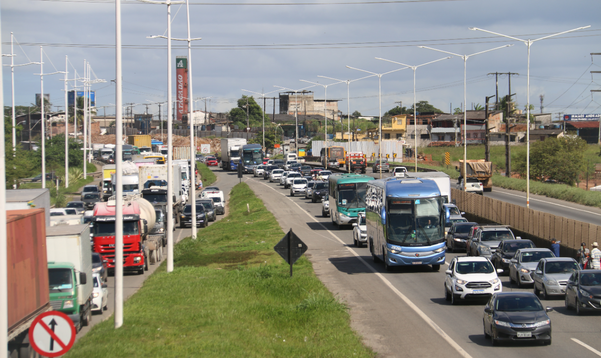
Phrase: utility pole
(487,130)
(497,74)
(507,137)
(593,91)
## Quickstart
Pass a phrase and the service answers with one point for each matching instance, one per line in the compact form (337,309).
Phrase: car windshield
(590,279)
(536,256)
(96,259)
(208,205)
(453,210)
(300,181)
(514,246)
(57,213)
(496,235)
(519,303)
(561,267)
(458,220)
(325,172)
(462,229)
(321,186)
(199,208)
(216,199)
(73,204)
(60,279)
(90,188)
(361,219)
(465,268)
(91,196)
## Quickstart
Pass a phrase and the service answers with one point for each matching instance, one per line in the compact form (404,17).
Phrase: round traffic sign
(52,334)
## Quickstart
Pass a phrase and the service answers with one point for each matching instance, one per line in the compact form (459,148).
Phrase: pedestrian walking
(583,256)
(596,256)
(555,247)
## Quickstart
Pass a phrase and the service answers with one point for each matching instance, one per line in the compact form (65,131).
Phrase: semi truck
(153,185)
(479,169)
(138,217)
(230,152)
(70,271)
(107,187)
(28,292)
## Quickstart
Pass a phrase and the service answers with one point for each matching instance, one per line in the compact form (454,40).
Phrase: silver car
(524,262)
(551,276)
(309,189)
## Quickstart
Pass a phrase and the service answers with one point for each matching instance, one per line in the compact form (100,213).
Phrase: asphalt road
(404,313)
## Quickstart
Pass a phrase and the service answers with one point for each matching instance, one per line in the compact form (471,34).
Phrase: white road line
(555,204)
(405,299)
(587,347)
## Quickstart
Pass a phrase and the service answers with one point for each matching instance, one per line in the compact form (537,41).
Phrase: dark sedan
(583,292)
(515,317)
(506,251)
(457,236)
(320,189)
(186,216)
(305,170)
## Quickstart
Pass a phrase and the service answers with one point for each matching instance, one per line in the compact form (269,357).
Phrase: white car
(100,294)
(297,186)
(473,185)
(290,177)
(275,175)
(289,163)
(360,230)
(259,170)
(471,277)
(325,206)
(283,177)
(324,175)
(217,197)
(399,172)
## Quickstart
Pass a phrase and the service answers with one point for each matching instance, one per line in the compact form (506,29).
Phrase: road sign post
(290,248)
(52,334)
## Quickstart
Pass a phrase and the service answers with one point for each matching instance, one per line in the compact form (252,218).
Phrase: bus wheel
(386,266)
(436,267)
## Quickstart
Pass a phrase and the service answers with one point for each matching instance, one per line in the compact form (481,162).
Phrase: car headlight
(485,249)
(96,294)
(97,269)
(585,293)
(502,323)
(551,282)
(542,323)
(523,270)
(506,260)
(494,281)
(439,250)
(461,282)
(68,304)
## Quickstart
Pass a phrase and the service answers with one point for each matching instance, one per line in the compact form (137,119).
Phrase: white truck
(443,180)
(153,186)
(70,271)
(129,178)
(184,165)
(230,152)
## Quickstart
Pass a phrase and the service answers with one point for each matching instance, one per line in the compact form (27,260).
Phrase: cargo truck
(129,178)
(139,140)
(70,271)
(230,152)
(153,186)
(138,217)
(479,169)
(443,181)
(356,162)
(28,291)
(107,187)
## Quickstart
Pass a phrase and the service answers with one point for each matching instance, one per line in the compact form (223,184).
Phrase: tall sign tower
(181,68)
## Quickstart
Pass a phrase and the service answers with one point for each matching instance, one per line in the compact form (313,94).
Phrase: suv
(297,186)
(506,251)
(473,185)
(471,277)
(320,189)
(385,165)
(487,238)
(290,178)
(399,172)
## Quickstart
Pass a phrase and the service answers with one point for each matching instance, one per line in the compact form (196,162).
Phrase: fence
(531,222)
(389,147)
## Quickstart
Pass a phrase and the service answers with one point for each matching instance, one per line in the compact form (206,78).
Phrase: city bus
(347,197)
(251,155)
(405,222)
(333,154)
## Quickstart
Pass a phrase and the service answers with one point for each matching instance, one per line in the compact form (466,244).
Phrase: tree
(561,159)
(356,114)
(425,107)
(478,107)
(457,111)
(396,111)
(238,115)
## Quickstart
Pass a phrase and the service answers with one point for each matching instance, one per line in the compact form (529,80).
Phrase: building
(397,129)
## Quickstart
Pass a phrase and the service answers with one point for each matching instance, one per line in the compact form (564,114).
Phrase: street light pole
(465,57)
(380,106)
(528,44)
(262,96)
(414,68)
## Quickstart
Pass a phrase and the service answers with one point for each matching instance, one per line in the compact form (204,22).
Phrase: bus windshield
(252,156)
(352,195)
(336,153)
(414,222)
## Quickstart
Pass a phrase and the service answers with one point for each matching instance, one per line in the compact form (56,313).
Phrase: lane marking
(587,347)
(405,299)
(552,203)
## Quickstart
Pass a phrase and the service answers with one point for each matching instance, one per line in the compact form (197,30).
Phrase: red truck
(28,288)
(356,161)
(138,217)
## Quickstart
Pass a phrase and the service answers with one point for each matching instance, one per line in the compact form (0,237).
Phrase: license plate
(524,334)
(417,262)
(478,291)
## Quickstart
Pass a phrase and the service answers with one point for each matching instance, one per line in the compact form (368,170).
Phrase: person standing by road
(596,256)
(583,255)
(555,247)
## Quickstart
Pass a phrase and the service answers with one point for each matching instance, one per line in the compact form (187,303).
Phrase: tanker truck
(138,218)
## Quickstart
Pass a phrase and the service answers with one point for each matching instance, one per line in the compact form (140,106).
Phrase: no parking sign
(52,334)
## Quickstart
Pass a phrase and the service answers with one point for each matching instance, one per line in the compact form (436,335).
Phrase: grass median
(230,295)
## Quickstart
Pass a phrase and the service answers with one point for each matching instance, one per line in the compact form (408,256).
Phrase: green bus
(347,197)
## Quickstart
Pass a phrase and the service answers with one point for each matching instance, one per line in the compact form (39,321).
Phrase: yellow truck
(480,169)
(107,188)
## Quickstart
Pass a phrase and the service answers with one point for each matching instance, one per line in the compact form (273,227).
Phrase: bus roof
(349,178)
(403,188)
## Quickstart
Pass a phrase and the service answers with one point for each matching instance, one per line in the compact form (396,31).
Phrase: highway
(404,313)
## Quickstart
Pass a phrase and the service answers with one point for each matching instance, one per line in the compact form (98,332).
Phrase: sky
(256,45)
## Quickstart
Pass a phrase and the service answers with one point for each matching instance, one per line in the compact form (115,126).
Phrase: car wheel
(291,193)
(493,341)
(447,295)
(435,267)
(486,335)
(454,298)
(355,241)
(373,255)
(536,291)
(323,213)
(578,309)
(548,342)
(545,296)
(87,319)
(567,304)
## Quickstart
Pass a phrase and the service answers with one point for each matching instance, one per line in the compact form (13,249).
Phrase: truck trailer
(230,152)
(479,169)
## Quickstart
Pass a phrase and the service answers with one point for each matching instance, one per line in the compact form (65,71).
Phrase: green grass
(230,295)
(207,175)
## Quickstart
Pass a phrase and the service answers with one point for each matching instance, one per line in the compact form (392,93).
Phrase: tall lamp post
(528,43)
(348,105)
(295,113)
(380,106)
(262,96)
(414,68)
(465,57)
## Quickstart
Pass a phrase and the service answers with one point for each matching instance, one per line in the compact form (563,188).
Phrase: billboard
(71,97)
(582,117)
(181,73)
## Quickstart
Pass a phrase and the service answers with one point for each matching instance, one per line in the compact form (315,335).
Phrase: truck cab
(65,283)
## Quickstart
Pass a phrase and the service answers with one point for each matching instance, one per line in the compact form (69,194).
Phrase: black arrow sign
(52,324)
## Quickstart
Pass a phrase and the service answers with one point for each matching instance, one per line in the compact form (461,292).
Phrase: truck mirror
(83,278)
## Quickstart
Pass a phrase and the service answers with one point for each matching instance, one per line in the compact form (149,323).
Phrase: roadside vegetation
(206,174)
(230,295)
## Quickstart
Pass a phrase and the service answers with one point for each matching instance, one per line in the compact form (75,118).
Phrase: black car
(506,251)
(80,206)
(305,170)
(320,189)
(90,199)
(99,266)
(186,216)
(516,317)
(583,291)
(268,169)
(280,163)
(457,235)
